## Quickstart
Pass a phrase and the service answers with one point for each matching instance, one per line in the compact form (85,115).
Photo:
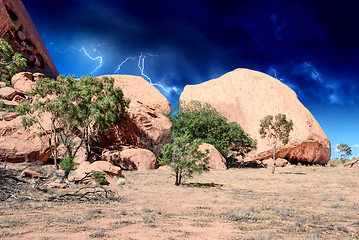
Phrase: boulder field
(246,96)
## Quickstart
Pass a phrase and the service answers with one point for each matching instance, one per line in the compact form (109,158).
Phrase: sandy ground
(294,203)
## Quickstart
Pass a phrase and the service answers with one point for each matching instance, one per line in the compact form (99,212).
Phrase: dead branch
(88,193)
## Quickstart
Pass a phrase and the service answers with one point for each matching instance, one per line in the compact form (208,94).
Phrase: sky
(311,46)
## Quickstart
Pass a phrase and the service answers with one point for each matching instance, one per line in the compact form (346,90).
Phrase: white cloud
(355,145)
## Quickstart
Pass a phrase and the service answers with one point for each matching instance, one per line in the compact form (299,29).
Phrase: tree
(201,121)
(276,129)
(10,63)
(78,108)
(345,150)
(184,157)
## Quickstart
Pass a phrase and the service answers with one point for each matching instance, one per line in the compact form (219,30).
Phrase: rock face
(246,96)
(144,125)
(216,160)
(18,145)
(17,29)
(130,158)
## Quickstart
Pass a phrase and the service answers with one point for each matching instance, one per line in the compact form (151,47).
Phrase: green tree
(345,151)
(10,63)
(184,157)
(201,121)
(78,108)
(277,129)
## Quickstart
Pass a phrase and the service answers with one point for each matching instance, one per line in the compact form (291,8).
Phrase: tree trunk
(177,178)
(274,150)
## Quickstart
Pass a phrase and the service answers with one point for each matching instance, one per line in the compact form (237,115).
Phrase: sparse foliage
(201,121)
(78,108)
(277,129)
(345,151)
(10,63)
(99,178)
(184,157)
(67,164)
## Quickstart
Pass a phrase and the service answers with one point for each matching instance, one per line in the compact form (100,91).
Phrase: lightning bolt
(94,58)
(82,49)
(314,74)
(123,62)
(141,67)
(273,73)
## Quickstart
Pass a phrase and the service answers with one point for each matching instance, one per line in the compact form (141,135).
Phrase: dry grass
(320,203)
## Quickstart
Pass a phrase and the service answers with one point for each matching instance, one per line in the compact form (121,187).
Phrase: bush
(99,178)
(201,121)
(67,164)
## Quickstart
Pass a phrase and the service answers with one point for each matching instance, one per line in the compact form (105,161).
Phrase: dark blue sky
(312,46)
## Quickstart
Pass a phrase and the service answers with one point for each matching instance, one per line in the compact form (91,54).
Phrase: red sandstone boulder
(83,174)
(23,81)
(246,96)
(18,145)
(8,93)
(279,162)
(130,157)
(144,125)
(31,174)
(216,160)
(17,29)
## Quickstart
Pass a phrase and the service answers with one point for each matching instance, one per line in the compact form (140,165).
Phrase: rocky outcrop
(17,29)
(246,96)
(18,145)
(144,125)
(216,160)
(130,157)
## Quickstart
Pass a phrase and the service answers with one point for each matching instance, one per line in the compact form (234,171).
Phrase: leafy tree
(201,121)
(345,150)
(10,63)
(184,157)
(78,108)
(276,129)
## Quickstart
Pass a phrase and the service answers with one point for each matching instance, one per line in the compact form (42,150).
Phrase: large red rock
(144,125)
(17,29)
(18,145)
(246,96)
(216,160)
(130,157)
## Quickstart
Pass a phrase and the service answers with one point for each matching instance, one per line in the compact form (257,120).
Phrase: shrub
(99,178)
(67,164)
(199,120)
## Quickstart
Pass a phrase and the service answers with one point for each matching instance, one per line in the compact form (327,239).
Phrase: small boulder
(2,84)
(27,76)
(352,164)
(31,174)
(130,157)
(8,93)
(279,162)
(249,163)
(216,160)
(38,76)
